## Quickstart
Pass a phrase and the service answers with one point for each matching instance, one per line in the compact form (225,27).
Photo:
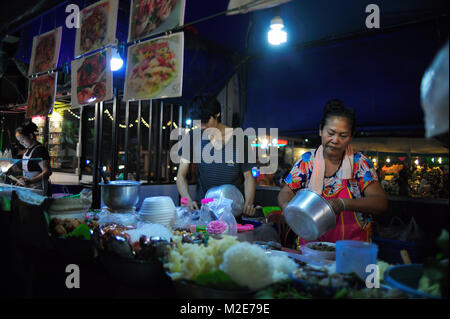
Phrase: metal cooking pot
(120,195)
(309,215)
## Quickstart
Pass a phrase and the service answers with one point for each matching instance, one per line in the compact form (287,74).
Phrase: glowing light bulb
(116,61)
(277,35)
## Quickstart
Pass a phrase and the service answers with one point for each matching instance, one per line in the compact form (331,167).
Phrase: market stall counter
(188,255)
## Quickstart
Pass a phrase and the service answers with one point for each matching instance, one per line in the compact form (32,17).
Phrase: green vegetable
(82,232)
(5,204)
(282,290)
(217,279)
(431,289)
(434,280)
(343,293)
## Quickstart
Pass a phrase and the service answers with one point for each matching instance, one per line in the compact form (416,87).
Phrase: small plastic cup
(355,256)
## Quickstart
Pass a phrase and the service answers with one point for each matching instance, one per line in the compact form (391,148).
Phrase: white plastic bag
(183,218)
(434,94)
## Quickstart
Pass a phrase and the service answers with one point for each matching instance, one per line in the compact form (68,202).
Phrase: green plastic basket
(269,209)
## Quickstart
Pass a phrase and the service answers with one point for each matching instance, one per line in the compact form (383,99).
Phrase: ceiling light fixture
(277,35)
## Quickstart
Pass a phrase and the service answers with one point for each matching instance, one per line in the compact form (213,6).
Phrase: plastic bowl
(355,256)
(406,278)
(328,255)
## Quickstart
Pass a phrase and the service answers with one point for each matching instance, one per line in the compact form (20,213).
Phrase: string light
(73,114)
(108,114)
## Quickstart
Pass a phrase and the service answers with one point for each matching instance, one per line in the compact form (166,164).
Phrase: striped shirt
(220,171)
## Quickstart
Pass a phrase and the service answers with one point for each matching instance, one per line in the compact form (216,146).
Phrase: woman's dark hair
(205,106)
(336,107)
(27,128)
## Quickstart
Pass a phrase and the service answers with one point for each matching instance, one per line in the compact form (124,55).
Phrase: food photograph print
(98,24)
(41,98)
(45,51)
(92,79)
(150,17)
(154,68)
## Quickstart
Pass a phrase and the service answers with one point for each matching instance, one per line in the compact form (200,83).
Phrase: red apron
(347,224)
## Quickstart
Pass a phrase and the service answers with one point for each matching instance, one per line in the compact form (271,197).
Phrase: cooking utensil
(230,192)
(6,164)
(13,178)
(405,257)
(309,215)
(120,195)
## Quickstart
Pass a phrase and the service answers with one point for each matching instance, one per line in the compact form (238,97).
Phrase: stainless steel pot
(309,215)
(120,195)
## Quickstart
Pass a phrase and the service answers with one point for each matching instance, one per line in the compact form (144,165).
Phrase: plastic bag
(230,192)
(183,218)
(434,94)
(223,210)
(411,233)
(393,230)
(399,230)
(186,217)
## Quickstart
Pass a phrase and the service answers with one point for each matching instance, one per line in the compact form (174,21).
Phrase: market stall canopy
(400,145)
(330,54)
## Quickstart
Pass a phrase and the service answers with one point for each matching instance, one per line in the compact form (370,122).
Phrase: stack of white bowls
(158,210)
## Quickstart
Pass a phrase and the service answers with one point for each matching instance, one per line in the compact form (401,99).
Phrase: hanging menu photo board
(41,97)
(92,79)
(98,24)
(45,52)
(149,17)
(155,68)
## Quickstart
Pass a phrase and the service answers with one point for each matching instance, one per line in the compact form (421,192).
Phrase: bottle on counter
(206,213)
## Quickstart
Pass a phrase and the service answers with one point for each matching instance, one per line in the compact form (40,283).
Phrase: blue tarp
(379,76)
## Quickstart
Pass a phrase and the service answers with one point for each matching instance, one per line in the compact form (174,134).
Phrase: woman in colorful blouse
(345,178)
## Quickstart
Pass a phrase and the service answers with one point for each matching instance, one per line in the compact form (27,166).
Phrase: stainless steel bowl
(309,215)
(120,195)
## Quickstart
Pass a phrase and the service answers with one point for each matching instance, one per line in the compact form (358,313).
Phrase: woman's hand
(337,204)
(249,210)
(23,181)
(193,204)
(285,196)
